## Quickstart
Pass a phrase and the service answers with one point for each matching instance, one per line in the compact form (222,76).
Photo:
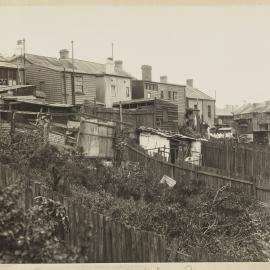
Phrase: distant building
(105,83)
(10,74)
(148,89)
(224,118)
(198,100)
(254,119)
(153,112)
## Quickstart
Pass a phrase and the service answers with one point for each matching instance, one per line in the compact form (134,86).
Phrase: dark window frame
(113,87)
(169,95)
(78,87)
(162,94)
(165,118)
(209,111)
(127,91)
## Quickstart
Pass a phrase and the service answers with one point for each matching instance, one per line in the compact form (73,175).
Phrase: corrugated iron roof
(2,58)
(7,65)
(196,93)
(262,107)
(135,101)
(80,66)
(37,101)
(141,100)
(166,134)
(14,87)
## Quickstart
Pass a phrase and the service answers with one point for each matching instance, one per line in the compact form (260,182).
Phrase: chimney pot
(163,79)
(146,73)
(64,54)
(118,64)
(190,82)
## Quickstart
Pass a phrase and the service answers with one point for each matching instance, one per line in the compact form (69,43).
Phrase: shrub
(34,236)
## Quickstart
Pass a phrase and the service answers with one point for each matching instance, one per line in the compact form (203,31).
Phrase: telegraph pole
(73,77)
(24,73)
(112,51)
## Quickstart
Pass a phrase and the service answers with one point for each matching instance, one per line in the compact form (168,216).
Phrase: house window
(3,77)
(165,116)
(42,86)
(161,94)
(148,95)
(78,84)
(169,95)
(196,107)
(209,111)
(127,91)
(146,86)
(113,91)
(174,95)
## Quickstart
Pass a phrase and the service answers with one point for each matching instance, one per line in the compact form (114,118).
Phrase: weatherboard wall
(47,81)
(89,88)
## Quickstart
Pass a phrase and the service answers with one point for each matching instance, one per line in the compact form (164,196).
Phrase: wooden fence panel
(212,177)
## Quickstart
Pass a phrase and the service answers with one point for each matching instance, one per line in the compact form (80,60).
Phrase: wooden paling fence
(183,171)
(111,241)
(239,161)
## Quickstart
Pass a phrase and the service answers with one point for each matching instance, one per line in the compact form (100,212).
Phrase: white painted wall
(150,141)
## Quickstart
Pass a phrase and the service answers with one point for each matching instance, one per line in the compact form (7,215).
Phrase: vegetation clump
(208,225)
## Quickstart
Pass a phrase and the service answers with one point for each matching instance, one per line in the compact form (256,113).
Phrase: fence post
(12,125)
(154,114)
(46,131)
(164,152)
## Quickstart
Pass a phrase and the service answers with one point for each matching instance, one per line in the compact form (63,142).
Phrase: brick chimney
(190,82)
(118,64)
(64,54)
(146,73)
(164,79)
(109,66)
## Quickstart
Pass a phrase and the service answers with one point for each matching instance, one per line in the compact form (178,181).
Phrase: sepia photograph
(134,133)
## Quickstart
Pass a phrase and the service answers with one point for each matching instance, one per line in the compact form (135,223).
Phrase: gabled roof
(261,107)
(195,93)
(2,58)
(80,66)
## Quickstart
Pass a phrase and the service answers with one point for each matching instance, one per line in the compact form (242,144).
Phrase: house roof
(2,58)
(195,93)
(164,133)
(223,112)
(80,66)
(14,87)
(36,101)
(7,64)
(135,101)
(261,107)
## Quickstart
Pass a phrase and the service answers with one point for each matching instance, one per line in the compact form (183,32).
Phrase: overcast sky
(224,49)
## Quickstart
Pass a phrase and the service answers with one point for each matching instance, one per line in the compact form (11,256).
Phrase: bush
(34,236)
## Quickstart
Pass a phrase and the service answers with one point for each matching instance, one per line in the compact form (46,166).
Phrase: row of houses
(251,121)
(72,82)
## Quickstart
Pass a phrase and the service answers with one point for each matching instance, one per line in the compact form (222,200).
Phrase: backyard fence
(111,241)
(183,171)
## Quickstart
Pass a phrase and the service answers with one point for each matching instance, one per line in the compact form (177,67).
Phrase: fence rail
(210,176)
(111,242)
